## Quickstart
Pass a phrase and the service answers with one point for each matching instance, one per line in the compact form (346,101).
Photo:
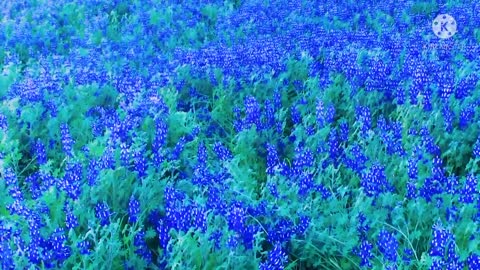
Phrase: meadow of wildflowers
(239,134)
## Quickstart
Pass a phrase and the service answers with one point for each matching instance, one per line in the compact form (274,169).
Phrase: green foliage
(424,7)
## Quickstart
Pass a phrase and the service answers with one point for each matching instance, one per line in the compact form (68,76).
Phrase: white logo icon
(444,26)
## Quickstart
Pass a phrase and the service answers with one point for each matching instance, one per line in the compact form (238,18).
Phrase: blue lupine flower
(140,163)
(374,181)
(71,181)
(453,259)
(429,142)
(223,153)
(430,187)
(236,218)
(6,256)
(364,251)
(163,234)
(272,187)
(18,207)
(427,99)
(177,150)
(476,149)
(411,190)
(269,114)
(473,261)
(465,87)
(248,235)
(184,218)
(16,193)
(455,265)
(107,161)
(6,253)
(357,160)
(363,226)
(324,191)
(438,171)
(141,247)
(215,201)
(3,122)
(125,154)
(276,260)
(303,224)
(400,95)
(343,131)
(470,191)
(438,264)
(199,218)
(202,154)
(330,114)
(306,184)
(363,117)
(38,184)
(10,177)
(216,237)
(388,245)
(252,112)
(335,149)
(102,212)
(320,114)
(439,241)
(29,91)
(296,115)
(445,89)
(84,247)
(273,159)
(407,256)
(71,221)
(303,158)
(92,172)
(232,242)
(133,209)
(412,168)
(160,135)
(466,116)
(415,90)
(36,239)
(238,121)
(40,152)
(67,140)
(57,243)
(282,231)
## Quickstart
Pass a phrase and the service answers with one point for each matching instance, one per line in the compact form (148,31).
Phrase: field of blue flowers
(239,134)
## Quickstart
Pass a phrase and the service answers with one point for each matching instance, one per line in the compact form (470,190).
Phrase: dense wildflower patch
(239,135)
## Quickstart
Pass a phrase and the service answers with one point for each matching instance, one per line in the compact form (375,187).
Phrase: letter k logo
(444,26)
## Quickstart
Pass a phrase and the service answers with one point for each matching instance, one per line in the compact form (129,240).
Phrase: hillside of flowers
(239,134)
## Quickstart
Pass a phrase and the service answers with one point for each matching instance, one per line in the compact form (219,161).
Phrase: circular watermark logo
(444,26)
